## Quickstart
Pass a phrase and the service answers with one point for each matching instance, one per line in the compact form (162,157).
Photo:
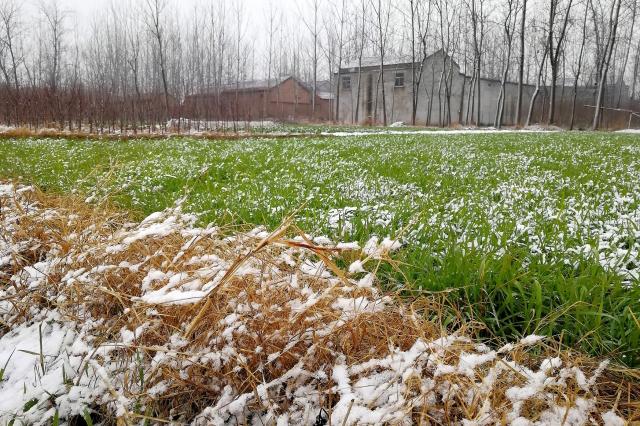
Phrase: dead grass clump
(165,321)
(23,133)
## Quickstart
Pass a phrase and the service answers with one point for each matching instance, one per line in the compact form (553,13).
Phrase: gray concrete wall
(432,107)
(432,103)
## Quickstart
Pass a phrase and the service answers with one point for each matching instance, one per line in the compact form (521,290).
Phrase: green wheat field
(521,232)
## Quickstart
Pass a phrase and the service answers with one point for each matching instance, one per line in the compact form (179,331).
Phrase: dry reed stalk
(270,328)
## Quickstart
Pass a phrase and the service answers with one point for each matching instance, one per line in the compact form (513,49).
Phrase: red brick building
(281,99)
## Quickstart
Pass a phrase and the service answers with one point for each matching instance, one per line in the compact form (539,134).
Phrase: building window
(346,82)
(399,82)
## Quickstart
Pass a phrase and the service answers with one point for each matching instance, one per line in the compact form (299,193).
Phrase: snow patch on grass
(121,331)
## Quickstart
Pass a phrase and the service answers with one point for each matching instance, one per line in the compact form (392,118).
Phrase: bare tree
(541,64)
(11,28)
(508,24)
(139,63)
(629,39)
(273,21)
(10,38)
(477,22)
(579,68)
(449,38)
(360,37)
(155,9)
(419,29)
(340,12)
(133,58)
(636,67)
(312,27)
(382,16)
(606,59)
(555,46)
(523,21)
(239,21)
(54,19)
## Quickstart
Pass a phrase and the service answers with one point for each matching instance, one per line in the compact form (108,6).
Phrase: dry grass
(271,327)
(23,132)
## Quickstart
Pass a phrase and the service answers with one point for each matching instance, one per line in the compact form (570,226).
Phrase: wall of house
(490,94)
(290,91)
(226,105)
(289,101)
(433,108)
(362,102)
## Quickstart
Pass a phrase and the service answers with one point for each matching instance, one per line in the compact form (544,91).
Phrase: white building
(445,95)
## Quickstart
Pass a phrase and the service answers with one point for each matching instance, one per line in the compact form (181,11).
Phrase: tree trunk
(521,68)
(577,76)
(626,56)
(636,65)
(537,91)
(414,94)
(608,52)
(554,54)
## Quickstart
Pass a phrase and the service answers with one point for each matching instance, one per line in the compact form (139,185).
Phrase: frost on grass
(561,200)
(164,320)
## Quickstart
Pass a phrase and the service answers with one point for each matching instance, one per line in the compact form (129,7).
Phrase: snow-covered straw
(165,321)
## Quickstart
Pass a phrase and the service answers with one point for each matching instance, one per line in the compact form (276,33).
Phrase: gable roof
(323,89)
(374,61)
(264,84)
(389,62)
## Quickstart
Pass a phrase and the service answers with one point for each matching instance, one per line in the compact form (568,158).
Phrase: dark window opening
(346,82)
(399,82)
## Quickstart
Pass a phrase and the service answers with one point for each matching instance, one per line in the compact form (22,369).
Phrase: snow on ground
(472,131)
(107,317)
(186,124)
(200,127)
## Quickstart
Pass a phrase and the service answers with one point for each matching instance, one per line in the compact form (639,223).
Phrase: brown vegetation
(274,324)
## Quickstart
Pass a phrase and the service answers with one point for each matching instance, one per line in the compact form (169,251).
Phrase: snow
(348,246)
(531,340)
(153,276)
(196,127)
(434,132)
(629,131)
(33,373)
(367,281)
(356,267)
(342,219)
(468,363)
(376,250)
(514,196)
(612,419)
(322,241)
(51,358)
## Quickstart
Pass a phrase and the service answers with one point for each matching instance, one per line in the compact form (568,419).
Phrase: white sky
(82,14)
(83,10)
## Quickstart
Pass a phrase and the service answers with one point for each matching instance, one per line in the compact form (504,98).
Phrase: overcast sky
(83,10)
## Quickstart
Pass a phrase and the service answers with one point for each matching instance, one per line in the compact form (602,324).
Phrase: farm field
(525,232)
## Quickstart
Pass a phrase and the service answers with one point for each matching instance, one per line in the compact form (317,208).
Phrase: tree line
(136,62)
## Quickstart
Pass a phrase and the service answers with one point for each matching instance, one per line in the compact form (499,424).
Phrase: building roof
(390,61)
(264,84)
(323,89)
(374,61)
